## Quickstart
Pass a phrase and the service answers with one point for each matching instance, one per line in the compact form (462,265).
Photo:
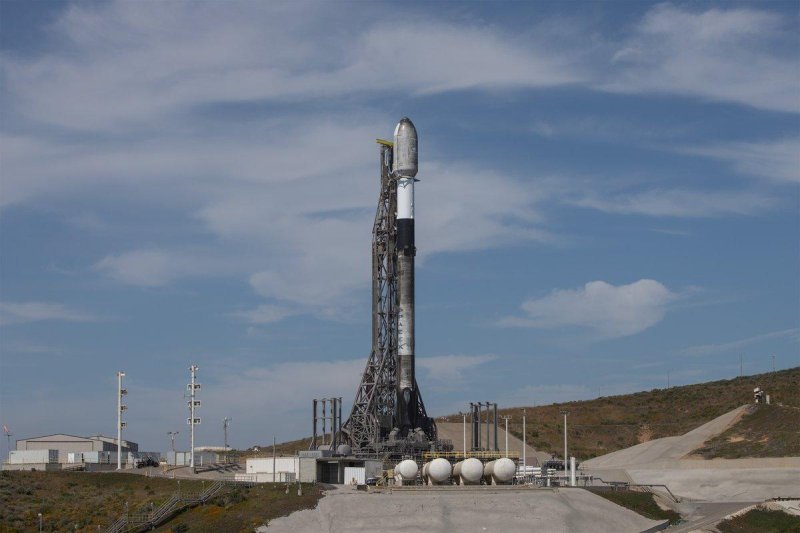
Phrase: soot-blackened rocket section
(404,169)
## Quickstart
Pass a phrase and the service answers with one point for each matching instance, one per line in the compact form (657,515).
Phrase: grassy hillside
(761,520)
(607,424)
(765,431)
(244,509)
(82,501)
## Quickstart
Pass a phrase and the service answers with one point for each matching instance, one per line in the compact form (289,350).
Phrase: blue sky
(609,193)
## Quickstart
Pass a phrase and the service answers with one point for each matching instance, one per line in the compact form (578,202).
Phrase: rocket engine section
(405,165)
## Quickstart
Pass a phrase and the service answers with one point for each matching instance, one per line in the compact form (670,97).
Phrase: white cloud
(265,314)
(125,63)
(708,349)
(450,370)
(778,160)
(607,310)
(143,268)
(676,203)
(24,312)
(729,55)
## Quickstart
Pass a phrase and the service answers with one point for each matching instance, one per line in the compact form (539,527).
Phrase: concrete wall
(263,465)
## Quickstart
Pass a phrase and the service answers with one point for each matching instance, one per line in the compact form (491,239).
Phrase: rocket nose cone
(405,124)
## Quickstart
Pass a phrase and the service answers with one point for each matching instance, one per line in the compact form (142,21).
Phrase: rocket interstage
(404,170)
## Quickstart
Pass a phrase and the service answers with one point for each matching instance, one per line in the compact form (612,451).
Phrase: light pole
(8,439)
(566,413)
(506,418)
(40,522)
(120,424)
(225,422)
(193,404)
(524,446)
(172,437)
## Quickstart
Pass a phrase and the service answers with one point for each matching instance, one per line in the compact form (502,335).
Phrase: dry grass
(765,431)
(81,501)
(77,500)
(761,520)
(611,423)
(244,509)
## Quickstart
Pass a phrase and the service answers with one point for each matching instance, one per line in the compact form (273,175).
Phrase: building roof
(58,437)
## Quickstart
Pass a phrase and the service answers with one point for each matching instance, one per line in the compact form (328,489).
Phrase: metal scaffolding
(374,413)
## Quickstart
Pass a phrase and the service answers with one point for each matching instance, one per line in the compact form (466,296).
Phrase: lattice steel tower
(376,422)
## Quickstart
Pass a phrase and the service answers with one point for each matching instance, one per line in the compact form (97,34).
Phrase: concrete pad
(725,485)
(481,509)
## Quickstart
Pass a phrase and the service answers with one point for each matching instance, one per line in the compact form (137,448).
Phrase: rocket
(404,171)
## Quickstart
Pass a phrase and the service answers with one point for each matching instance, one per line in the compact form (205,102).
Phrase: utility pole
(225,422)
(8,439)
(740,365)
(667,378)
(120,424)
(773,364)
(506,418)
(193,404)
(524,446)
(273,457)
(565,413)
(172,437)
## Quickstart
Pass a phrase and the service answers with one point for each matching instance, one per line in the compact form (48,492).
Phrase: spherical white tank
(344,449)
(407,469)
(405,159)
(500,471)
(469,471)
(437,471)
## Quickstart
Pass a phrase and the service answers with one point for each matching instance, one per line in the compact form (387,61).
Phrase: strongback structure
(380,420)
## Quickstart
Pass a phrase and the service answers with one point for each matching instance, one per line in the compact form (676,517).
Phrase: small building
(310,466)
(97,448)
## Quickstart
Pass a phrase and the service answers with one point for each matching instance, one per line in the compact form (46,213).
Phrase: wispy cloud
(450,370)
(24,312)
(265,314)
(778,160)
(607,310)
(709,349)
(679,203)
(726,55)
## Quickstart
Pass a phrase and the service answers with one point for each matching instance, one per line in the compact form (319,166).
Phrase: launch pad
(388,415)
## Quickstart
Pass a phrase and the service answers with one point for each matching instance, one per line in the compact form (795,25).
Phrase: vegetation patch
(765,431)
(81,501)
(610,423)
(761,520)
(250,508)
(639,502)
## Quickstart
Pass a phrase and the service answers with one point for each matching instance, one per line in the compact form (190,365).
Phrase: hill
(610,423)
(87,501)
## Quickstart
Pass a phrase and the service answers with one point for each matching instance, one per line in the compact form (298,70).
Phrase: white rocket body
(404,170)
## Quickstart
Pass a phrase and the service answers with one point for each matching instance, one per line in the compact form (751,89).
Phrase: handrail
(176,502)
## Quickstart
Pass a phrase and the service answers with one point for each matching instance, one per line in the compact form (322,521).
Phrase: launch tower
(388,413)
